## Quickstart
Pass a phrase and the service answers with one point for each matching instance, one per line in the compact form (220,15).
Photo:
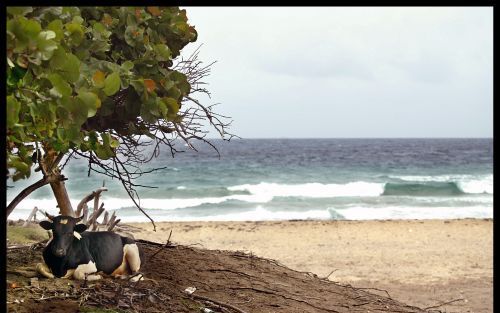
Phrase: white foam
(313,190)
(257,214)
(49,205)
(484,185)
(420,213)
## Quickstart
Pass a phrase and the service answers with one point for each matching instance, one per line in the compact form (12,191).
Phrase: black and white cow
(73,252)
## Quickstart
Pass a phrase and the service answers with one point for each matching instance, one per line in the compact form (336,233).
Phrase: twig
(283,296)
(164,246)
(366,288)
(445,303)
(327,276)
(222,304)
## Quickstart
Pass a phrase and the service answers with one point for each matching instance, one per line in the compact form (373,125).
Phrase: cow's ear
(80,228)
(46,225)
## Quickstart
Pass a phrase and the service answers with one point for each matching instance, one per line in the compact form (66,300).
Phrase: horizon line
(218,138)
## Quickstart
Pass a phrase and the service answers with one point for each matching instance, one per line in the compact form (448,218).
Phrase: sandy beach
(419,262)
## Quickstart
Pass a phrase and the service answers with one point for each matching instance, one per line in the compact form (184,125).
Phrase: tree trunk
(62,198)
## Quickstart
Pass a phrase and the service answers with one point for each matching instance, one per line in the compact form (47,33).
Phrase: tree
(102,83)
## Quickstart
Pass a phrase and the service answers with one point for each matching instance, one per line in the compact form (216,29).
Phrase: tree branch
(23,194)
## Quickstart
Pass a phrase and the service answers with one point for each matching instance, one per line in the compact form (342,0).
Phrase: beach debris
(190,290)
(207,310)
(34,282)
(12,284)
(32,216)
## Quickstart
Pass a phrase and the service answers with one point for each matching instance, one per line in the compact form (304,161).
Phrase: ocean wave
(472,184)
(422,189)
(313,190)
(299,194)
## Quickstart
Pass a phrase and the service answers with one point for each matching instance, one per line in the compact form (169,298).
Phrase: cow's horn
(50,217)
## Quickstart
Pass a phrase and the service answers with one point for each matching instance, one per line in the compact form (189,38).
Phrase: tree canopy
(96,81)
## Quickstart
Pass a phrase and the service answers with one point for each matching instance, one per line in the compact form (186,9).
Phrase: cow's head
(64,230)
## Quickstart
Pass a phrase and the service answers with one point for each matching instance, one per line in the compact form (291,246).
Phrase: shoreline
(420,262)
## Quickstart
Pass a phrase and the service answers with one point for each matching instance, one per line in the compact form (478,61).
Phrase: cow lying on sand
(73,252)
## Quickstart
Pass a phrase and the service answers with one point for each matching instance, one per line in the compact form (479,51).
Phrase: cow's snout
(59,252)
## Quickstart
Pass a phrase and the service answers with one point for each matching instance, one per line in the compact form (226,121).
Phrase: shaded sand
(422,263)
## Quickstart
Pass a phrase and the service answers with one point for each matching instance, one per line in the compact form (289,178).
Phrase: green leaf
(31,28)
(45,45)
(127,65)
(57,27)
(71,68)
(73,134)
(162,52)
(105,151)
(91,100)
(19,10)
(22,168)
(174,92)
(114,143)
(112,84)
(172,106)
(102,153)
(60,87)
(59,58)
(75,32)
(67,64)
(77,19)
(77,111)
(13,108)
(24,31)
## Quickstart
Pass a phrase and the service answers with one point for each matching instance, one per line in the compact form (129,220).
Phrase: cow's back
(106,249)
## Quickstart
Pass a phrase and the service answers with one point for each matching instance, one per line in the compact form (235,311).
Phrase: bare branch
(88,198)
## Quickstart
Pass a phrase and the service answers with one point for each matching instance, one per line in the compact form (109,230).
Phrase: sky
(349,72)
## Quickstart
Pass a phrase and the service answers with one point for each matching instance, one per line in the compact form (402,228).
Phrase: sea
(295,179)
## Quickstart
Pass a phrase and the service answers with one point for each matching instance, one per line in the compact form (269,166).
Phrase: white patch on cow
(131,252)
(86,270)
(63,221)
(77,235)
(44,270)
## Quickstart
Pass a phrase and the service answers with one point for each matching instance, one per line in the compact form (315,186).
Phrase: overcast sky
(350,72)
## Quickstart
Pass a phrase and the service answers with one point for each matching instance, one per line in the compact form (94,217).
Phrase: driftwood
(112,219)
(95,215)
(89,218)
(93,195)
(111,226)
(31,216)
(105,219)
(85,214)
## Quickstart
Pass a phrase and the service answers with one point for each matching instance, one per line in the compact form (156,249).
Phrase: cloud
(351,72)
